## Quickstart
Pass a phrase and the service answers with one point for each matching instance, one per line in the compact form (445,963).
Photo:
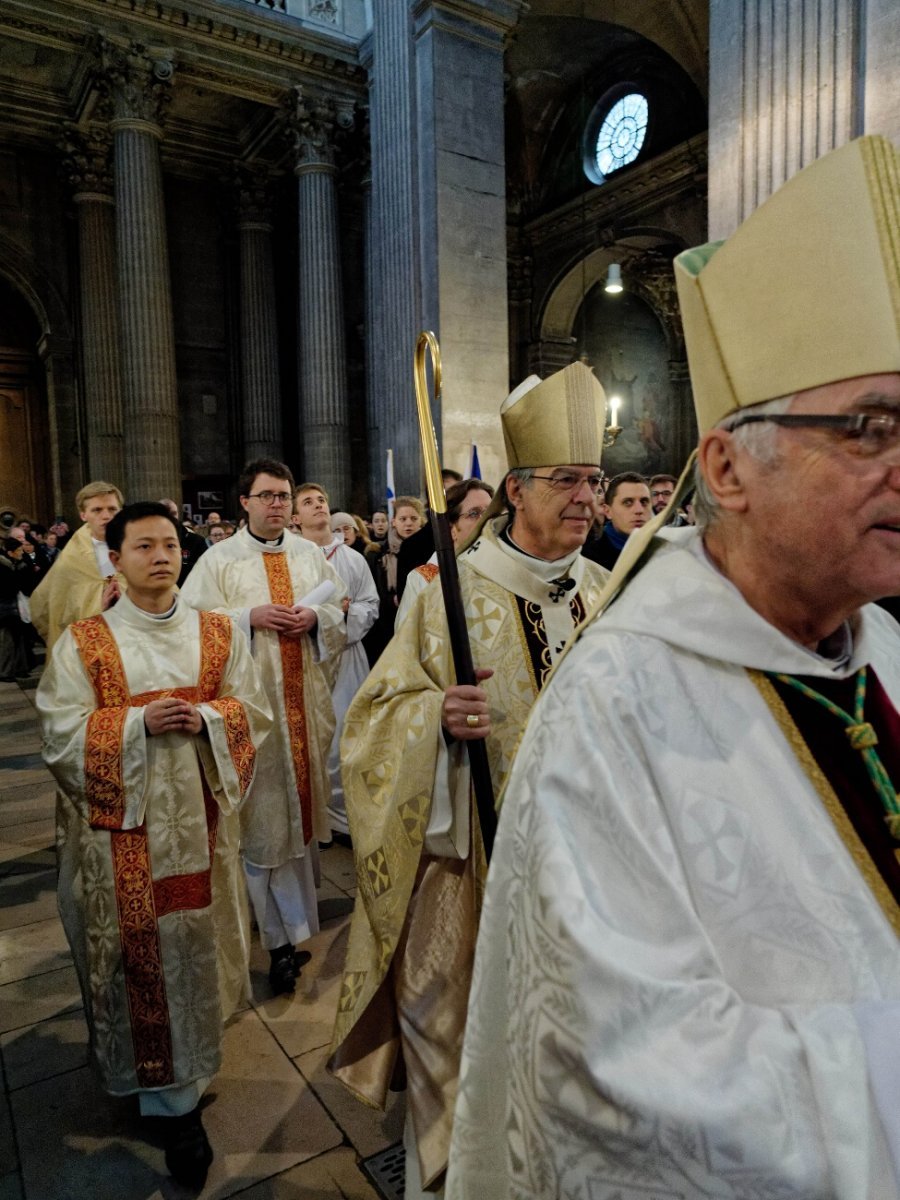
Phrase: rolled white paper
(321,592)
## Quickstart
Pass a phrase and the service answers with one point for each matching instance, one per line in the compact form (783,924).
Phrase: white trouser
(175,1101)
(284,901)
(337,808)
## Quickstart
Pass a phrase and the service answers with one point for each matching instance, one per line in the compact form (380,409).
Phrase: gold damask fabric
(391,752)
(71,590)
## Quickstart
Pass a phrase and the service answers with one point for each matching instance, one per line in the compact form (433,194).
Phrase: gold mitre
(805,292)
(555,421)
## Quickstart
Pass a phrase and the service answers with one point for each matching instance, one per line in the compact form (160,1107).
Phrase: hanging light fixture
(613,279)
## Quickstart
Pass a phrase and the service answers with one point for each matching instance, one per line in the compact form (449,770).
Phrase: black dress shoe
(188,1152)
(282,971)
(301,958)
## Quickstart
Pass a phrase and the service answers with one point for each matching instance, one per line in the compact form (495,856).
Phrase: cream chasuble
(292,788)
(413,860)
(683,985)
(71,590)
(150,889)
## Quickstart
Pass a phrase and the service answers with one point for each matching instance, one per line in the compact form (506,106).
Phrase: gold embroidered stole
(833,807)
(281,591)
(140,899)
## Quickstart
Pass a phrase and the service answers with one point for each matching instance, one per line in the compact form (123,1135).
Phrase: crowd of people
(675,969)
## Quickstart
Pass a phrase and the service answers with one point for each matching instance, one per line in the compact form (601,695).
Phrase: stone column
(260,375)
(139,83)
(87,165)
(786,82)
(312,124)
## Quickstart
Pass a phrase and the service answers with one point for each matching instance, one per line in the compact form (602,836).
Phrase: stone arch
(55,351)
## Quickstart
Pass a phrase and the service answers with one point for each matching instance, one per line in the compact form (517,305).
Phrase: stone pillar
(458,49)
(87,166)
(786,83)
(260,375)
(138,83)
(312,124)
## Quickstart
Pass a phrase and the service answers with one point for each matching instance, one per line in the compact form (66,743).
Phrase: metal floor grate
(387,1171)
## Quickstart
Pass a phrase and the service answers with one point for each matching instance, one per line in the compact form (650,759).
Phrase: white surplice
(684,987)
(354,667)
(134,836)
(233,577)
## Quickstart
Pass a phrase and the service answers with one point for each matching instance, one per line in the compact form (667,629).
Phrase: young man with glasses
(688,976)
(419,855)
(261,577)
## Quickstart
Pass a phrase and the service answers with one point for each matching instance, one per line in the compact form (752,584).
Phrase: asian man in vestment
(152,717)
(687,980)
(419,857)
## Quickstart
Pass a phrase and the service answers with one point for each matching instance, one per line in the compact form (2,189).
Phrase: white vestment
(354,666)
(684,986)
(150,891)
(292,787)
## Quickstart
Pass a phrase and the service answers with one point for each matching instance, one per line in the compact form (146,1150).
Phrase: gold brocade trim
(842,823)
(215,646)
(102,662)
(104,786)
(428,571)
(526,646)
(240,744)
(281,591)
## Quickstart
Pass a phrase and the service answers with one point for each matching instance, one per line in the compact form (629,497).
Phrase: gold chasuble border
(281,591)
(842,823)
(141,900)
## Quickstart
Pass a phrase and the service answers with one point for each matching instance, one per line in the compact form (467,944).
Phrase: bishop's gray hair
(758,440)
(524,475)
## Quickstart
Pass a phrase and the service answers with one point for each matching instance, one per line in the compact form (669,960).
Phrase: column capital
(87,160)
(252,184)
(312,125)
(477,19)
(137,79)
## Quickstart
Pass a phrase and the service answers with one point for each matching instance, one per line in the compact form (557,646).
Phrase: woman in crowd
(409,516)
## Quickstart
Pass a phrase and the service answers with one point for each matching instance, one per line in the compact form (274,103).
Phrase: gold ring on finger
(472,720)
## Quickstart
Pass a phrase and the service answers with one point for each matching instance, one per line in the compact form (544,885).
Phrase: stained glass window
(622,133)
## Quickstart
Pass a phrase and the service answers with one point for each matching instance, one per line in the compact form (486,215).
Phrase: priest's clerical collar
(543,567)
(277,541)
(837,648)
(163,616)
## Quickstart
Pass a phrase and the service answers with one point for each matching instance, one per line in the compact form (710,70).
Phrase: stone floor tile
(336,864)
(41,1051)
(19,805)
(368,1130)
(305,1021)
(77,1142)
(32,950)
(11,1187)
(264,1118)
(8,1156)
(26,769)
(26,897)
(27,848)
(38,998)
(13,741)
(335,1174)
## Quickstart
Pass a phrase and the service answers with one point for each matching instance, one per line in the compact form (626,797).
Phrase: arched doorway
(25,459)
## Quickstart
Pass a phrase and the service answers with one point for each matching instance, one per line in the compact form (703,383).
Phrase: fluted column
(87,165)
(312,123)
(395,287)
(786,81)
(260,376)
(138,85)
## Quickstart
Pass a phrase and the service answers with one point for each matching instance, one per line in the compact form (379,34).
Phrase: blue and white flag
(474,464)
(391,493)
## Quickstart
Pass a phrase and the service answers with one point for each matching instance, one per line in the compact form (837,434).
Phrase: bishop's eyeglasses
(866,435)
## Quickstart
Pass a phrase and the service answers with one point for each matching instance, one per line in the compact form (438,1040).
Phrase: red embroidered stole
(140,899)
(281,591)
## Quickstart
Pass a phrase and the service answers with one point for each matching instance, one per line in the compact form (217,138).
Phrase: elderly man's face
(834,513)
(555,510)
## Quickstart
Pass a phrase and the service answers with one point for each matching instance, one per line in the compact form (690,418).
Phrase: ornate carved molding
(651,277)
(137,80)
(253,192)
(87,158)
(312,125)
